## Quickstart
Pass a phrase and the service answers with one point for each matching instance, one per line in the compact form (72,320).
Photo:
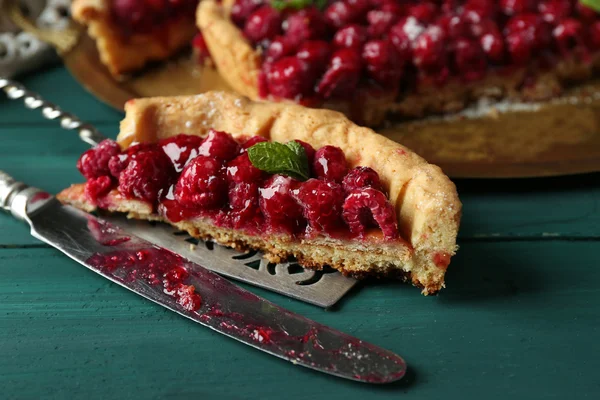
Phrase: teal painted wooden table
(520,315)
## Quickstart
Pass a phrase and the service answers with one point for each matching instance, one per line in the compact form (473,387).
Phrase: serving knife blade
(195,292)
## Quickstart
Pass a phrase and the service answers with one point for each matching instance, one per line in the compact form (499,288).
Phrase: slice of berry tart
(375,59)
(131,33)
(284,179)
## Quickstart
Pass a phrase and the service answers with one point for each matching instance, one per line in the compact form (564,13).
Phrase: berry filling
(254,185)
(311,54)
(144,16)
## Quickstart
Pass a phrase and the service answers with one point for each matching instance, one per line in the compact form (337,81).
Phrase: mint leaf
(281,5)
(595,4)
(277,158)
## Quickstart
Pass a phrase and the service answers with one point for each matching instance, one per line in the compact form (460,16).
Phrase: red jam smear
(312,55)
(155,266)
(186,177)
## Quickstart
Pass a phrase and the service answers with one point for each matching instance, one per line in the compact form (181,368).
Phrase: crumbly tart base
(239,63)
(372,256)
(425,200)
(123,55)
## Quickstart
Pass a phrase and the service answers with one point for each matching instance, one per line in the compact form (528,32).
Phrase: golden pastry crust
(239,63)
(425,199)
(121,54)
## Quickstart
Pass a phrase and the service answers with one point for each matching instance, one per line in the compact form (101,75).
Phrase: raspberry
(322,203)
(469,60)
(309,150)
(425,12)
(568,35)
(94,162)
(97,187)
(202,184)
(515,7)
(366,206)
(181,149)
(382,62)
(280,47)
(253,140)
(361,177)
(380,21)
(554,11)
(117,164)
(330,163)
(342,74)
(188,298)
(278,206)
(342,13)
(263,23)
(429,49)
(314,54)
(352,36)
(492,44)
(403,35)
(288,78)
(241,10)
(219,145)
(240,169)
(146,175)
(244,210)
(304,25)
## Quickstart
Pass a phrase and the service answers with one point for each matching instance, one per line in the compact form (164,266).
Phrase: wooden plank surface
(518,319)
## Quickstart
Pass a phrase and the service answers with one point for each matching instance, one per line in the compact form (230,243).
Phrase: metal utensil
(322,288)
(222,306)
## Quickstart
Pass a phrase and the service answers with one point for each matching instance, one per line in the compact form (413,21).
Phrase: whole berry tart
(131,33)
(378,59)
(284,179)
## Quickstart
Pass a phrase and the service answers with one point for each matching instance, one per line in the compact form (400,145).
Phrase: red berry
(477,10)
(586,13)
(342,74)
(322,203)
(263,23)
(199,44)
(532,28)
(404,34)
(554,11)
(134,15)
(304,25)
(568,35)
(469,59)
(202,184)
(425,12)
(176,275)
(97,187)
(364,206)
(240,169)
(117,164)
(361,177)
(280,47)
(241,10)
(244,209)
(94,162)
(519,48)
(314,54)
(181,149)
(594,35)
(289,78)
(278,206)
(382,62)
(492,44)
(515,7)
(146,175)
(454,26)
(352,36)
(429,52)
(254,140)
(342,13)
(380,21)
(309,150)
(219,145)
(188,298)
(330,163)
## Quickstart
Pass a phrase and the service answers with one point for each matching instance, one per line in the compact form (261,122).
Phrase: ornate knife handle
(20,199)
(51,111)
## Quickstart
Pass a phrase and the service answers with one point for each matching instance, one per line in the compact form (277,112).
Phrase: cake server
(322,288)
(193,291)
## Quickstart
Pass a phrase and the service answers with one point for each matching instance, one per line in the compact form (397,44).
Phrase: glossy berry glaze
(155,266)
(185,177)
(312,55)
(146,16)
